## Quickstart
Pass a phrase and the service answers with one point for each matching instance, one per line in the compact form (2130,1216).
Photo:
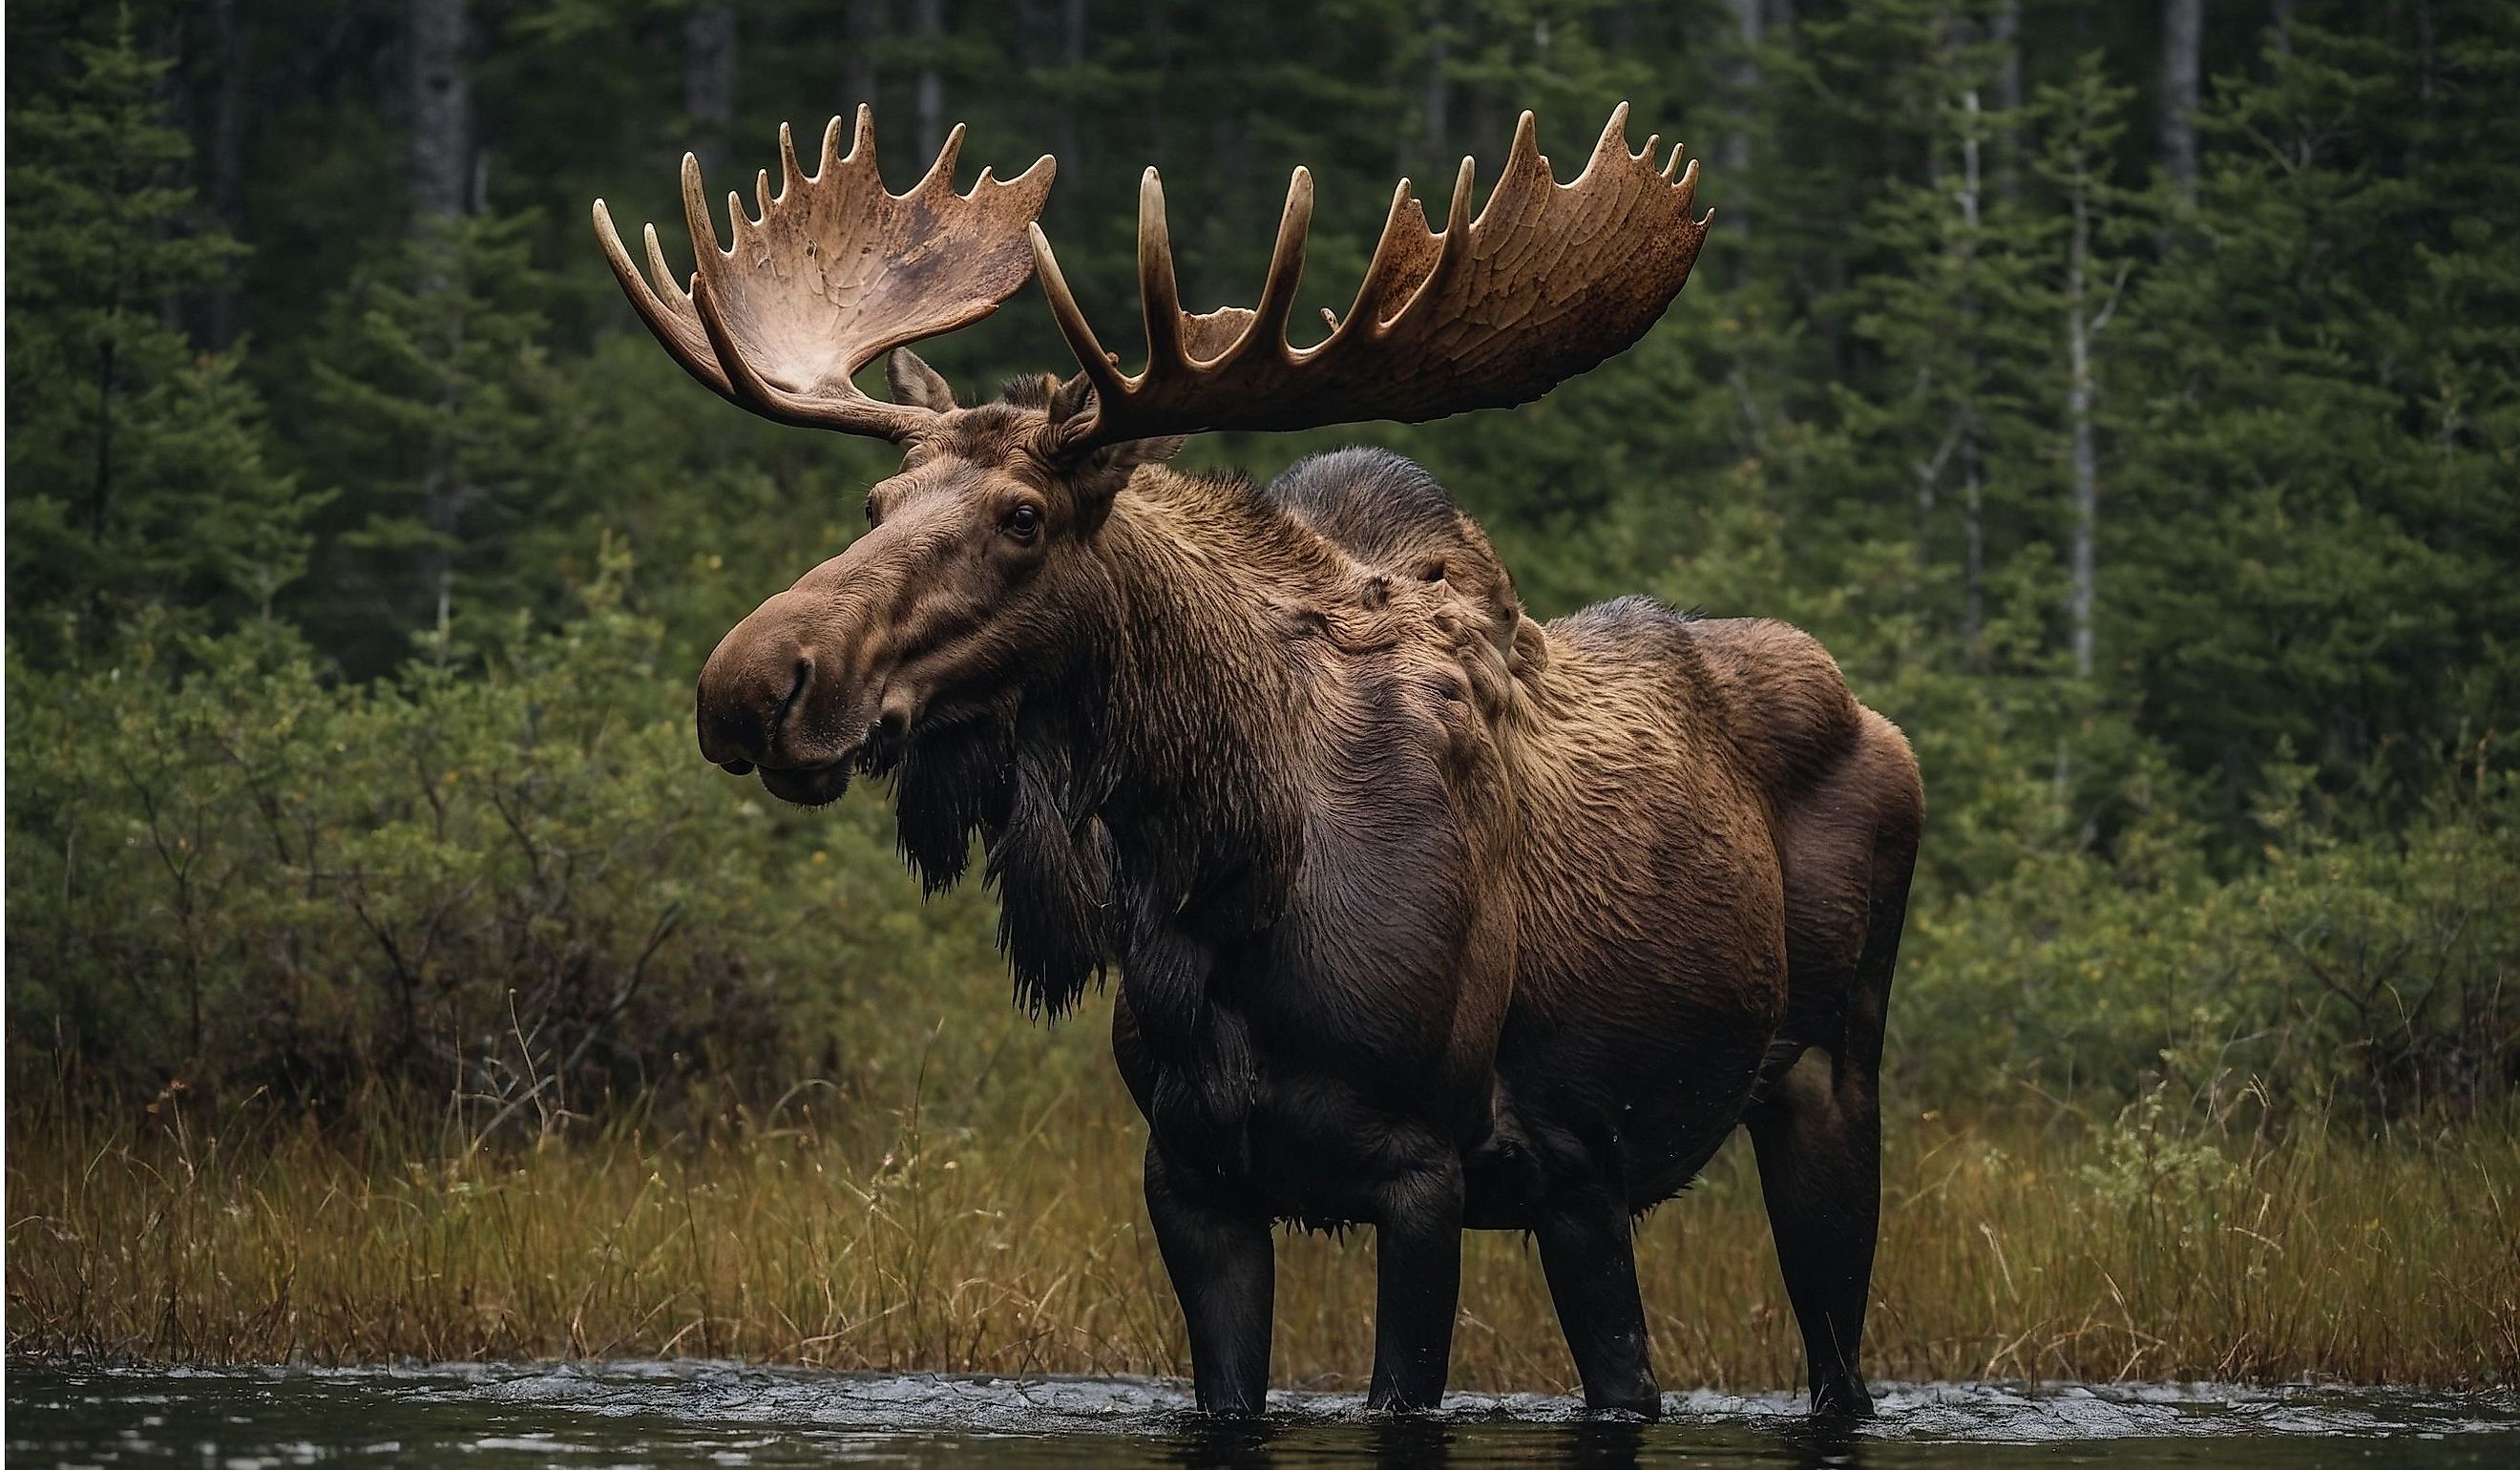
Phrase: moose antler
(833,274)
(1549,280)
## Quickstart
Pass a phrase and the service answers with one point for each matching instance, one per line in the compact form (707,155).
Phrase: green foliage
(504,882)
(137,472)
(2233,848)
(2316,515)
(2378,968)
(439,402)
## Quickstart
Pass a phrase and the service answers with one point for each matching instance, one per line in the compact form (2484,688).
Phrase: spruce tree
(137,472)
(442,419)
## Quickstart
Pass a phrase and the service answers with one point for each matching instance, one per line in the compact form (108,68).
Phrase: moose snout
(805,689)
(748,692)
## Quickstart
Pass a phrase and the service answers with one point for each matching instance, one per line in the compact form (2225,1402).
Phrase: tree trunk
(441,111)
(2182,36)
(227,162)
(2004,28)
(442,185)
(927,18)
(1437,109)
(865,28)
(1972,482)
(2279,21)
(1741,79)
(2078,414)
(709,80)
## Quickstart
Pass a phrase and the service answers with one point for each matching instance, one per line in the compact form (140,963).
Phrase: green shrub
(2380,969)
(517,882)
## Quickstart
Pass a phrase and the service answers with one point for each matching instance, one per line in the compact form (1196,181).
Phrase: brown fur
(1426,916)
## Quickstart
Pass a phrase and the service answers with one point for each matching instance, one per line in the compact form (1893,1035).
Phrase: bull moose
(1426,915)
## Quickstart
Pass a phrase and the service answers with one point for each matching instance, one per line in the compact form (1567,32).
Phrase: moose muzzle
(795,691)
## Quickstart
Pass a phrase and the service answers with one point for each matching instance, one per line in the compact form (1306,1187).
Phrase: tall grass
(2131,1251)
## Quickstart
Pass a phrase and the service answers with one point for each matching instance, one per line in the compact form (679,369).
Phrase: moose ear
(1069,399)
(1075,396)
(915,383)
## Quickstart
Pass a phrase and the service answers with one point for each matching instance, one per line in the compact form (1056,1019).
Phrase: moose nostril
(803,674)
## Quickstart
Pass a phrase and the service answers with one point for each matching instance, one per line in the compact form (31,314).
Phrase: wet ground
(714,1414)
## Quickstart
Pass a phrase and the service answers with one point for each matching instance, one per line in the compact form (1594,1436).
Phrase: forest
(2127,394)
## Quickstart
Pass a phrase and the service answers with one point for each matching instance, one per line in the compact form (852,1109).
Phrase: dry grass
(2008,1251)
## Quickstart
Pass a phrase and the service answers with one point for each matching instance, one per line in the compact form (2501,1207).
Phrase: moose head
(987,569)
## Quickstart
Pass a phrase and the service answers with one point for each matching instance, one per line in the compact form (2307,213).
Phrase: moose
(1425,915)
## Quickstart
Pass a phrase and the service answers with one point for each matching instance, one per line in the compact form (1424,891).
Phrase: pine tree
(137,472)
(443,420)
(2316,520)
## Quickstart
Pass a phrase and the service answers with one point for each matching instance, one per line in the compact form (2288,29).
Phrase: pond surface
(716,1414)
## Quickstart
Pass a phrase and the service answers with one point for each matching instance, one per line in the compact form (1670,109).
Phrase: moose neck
(1202,694)
(1140,796)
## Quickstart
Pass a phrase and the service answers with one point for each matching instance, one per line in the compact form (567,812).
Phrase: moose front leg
(1224,1269)
(1418,1289)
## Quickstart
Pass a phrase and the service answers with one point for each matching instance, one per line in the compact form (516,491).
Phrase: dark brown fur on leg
(1817,1128)
(1587,1249)
(1418,1289)
(1820,1169)
(1224,1269)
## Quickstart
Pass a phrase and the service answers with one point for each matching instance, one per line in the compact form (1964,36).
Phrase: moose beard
(1010,778)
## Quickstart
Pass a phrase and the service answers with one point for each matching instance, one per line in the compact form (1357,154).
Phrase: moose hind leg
(1819,1143)
(1588,1251)
(1417,1243)
(1224,1269)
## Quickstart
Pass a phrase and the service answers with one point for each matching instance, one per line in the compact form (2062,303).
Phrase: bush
(2380,970)
(514,881)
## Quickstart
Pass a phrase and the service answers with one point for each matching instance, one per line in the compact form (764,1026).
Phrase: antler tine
(1158,289)
(791,172)
(1285,267)
(941,174)
(665,308)
(1456,235)
(1545,281)
(657,266)
(1073,326)
(1614,134)
(833,273)
(861,135)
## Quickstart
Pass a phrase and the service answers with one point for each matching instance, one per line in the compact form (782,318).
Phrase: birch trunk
(2183,37)
(927,18)
(2084,457)
(709,80)
(442,186)
(1972,482)
(442,112)
(1741,73)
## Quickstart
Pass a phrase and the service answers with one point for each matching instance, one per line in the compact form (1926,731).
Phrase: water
(716,1414)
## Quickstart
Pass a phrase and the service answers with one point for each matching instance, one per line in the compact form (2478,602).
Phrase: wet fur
(1427,915)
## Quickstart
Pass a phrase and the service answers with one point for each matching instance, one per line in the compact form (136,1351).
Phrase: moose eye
(1023,522)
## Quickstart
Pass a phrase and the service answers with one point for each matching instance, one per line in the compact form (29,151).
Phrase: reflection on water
(716,1414)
